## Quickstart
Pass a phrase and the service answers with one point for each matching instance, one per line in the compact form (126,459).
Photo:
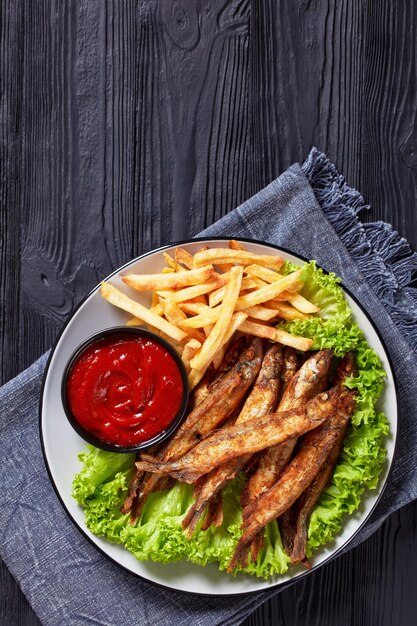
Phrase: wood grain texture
(128,124)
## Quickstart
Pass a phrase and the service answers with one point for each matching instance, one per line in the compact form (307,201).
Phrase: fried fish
(261,401)
(297,476)
(241,439)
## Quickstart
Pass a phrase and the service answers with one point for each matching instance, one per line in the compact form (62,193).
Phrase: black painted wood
(126,124)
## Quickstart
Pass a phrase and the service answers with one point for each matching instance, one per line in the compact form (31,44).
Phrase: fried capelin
(293,524)
(261,401)
(241,439)
(302,386)
(297,476)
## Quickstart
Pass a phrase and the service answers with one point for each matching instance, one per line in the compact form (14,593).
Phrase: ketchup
(125,390)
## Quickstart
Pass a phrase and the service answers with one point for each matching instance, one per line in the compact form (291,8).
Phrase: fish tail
(240,556)
(153,467)
(257,545)
(192,518)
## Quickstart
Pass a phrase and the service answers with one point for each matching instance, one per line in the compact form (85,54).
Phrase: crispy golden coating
(293,524)
(222,400)
(297,476)
(261,401)
(301,386)
(237,440)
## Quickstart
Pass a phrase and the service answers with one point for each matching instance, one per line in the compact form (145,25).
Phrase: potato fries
(275,334)
(220,256)
(189,351)
(184,257)
(199,301)
(169,280)
(215,339)
(119,299)
(296,299)
(188,293)
(235,323)
(235,245)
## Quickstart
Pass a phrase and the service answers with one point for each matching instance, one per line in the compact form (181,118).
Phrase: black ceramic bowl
(123,331)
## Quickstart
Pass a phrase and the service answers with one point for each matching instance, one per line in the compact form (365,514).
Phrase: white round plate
(61,444)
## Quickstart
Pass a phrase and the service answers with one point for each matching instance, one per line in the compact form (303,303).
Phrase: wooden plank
(11,101)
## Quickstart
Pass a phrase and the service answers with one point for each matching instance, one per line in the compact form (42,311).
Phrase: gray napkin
(311,211)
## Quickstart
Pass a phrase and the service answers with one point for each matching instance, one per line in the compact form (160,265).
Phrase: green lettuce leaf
(100,486)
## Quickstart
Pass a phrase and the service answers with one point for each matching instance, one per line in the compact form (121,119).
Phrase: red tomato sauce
(125,390)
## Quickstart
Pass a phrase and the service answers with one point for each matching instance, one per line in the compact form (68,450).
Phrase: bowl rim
(121,331)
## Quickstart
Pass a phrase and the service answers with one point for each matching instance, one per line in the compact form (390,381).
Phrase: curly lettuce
(101,485)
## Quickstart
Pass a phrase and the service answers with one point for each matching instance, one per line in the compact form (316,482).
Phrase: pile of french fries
(199,301)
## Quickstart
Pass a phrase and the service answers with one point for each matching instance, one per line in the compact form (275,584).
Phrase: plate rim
(278,584)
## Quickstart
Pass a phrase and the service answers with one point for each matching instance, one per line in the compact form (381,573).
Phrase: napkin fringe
(384,257)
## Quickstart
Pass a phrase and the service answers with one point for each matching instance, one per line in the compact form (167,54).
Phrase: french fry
(184,257)
(259,312)
(258,330)
(258,282)
(218,357)
(194,378)
(275,334)
(195,375)
(154,300)
(177,345)
(207,315)
(172,312)
(135,321)
(199,309)
(270,276)
(205,355)
(225,267)
(169,279)
(196,334)
(265,274)
(174,315)
(302,304)
(189,351)
(119,299)
(173,263)
(269,292)
(299,343)
(192,307)
(297,300)
(196,290)
(263,294)
(286,311)
(202,299)
(217,296)
(235,245)
(235,322)
(216,256)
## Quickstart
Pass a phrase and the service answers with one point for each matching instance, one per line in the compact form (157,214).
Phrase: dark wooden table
(127,124)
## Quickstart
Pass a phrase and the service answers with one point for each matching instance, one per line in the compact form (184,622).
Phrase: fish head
(322,405)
